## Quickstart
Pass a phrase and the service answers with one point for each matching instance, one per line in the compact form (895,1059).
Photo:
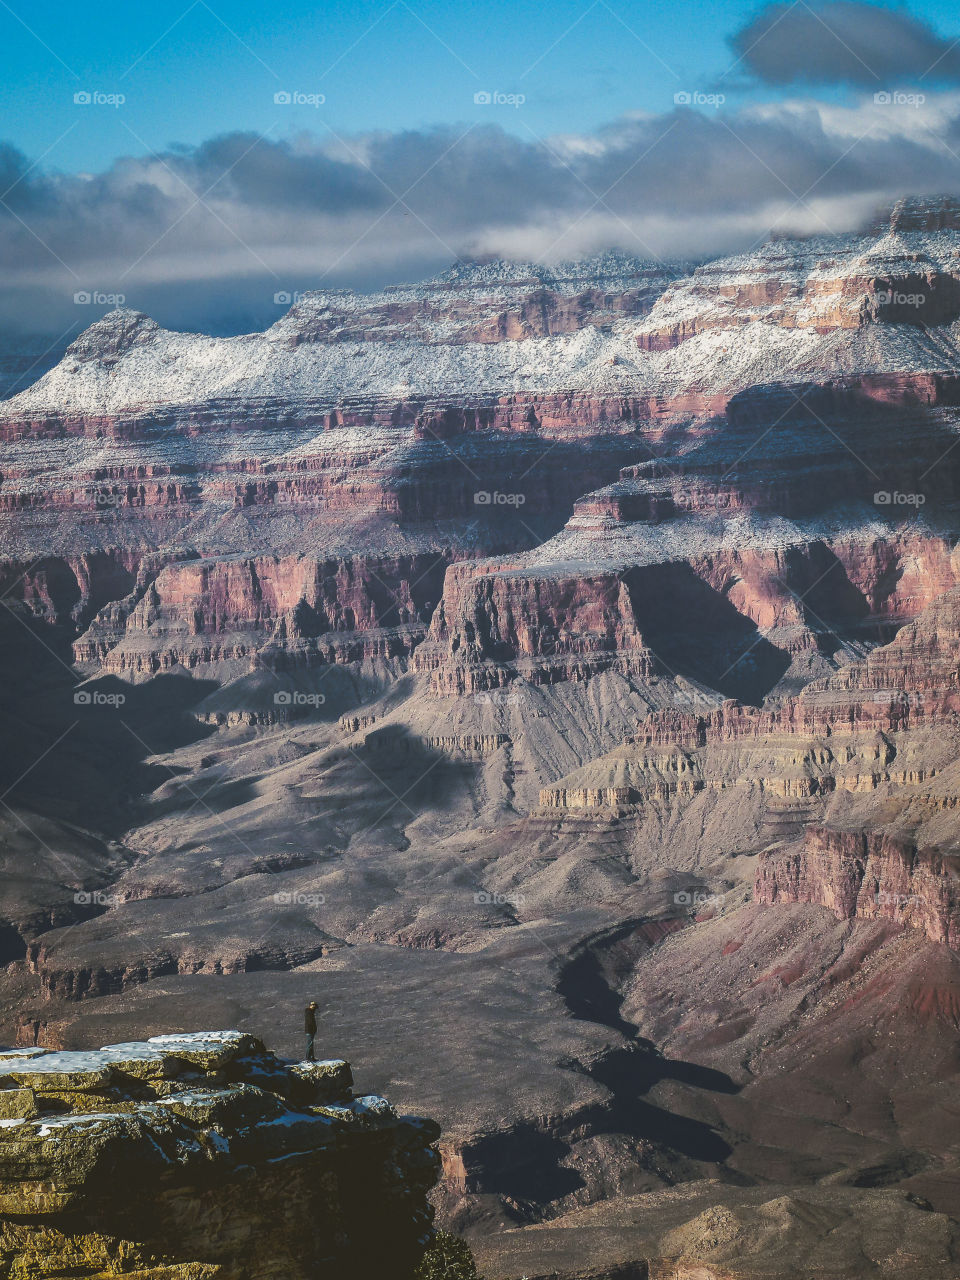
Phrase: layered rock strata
(150,471)
(195,1156)
(853,782)
(871,875)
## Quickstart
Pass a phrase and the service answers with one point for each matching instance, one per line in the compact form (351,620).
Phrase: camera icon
(83,899)
(882,498)
(282,298)
(882,99)
(283,899)
(682,99)
(82,698)
(82,99)
(482,98)
(82,298)
(282,698)
(282,98)
(483,498)
(683,899)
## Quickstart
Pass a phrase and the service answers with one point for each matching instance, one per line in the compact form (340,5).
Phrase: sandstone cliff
(189,1157)
(869,874)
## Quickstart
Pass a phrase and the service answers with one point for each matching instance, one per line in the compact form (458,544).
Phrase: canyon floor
(556,675)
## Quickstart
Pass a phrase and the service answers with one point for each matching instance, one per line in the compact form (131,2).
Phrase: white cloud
(307,213)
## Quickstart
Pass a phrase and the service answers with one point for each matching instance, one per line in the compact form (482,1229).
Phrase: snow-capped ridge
(939,212)
(113,334)
(828,306)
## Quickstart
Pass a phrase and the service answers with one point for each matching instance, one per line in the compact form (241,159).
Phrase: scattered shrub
(448,1258)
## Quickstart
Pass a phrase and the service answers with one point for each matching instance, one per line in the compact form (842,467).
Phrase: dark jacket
(310,1021)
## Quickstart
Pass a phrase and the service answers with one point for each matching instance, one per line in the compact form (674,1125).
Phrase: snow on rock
(203,1148)
(779,312)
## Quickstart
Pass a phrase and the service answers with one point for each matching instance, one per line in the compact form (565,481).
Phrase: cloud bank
(205,237)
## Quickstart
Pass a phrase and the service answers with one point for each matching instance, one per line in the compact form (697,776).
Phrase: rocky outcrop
(736,619)
(230,941)
(871,875)
(495,622)
(195,1156)
(707,1230)
(587,797)
(471,745)
(474,304)
(913,680)
(875,742)
(899,273)
(676,759)
(919,213)
(204,611)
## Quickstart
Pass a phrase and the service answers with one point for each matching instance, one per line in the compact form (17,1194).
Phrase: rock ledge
(203,1155)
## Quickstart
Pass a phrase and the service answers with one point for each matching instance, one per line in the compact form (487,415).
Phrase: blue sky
(192,70)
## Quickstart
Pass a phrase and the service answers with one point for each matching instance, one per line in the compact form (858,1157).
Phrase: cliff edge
(189,1157)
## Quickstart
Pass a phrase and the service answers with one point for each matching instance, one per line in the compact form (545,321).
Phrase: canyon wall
(870,875)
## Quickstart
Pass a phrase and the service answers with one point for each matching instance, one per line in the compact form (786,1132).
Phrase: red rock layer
(495,623)
(499,619)
(529,310)
(573,413)
(202,611)
(871,875)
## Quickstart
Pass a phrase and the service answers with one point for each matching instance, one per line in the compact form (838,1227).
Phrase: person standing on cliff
(310,1027)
